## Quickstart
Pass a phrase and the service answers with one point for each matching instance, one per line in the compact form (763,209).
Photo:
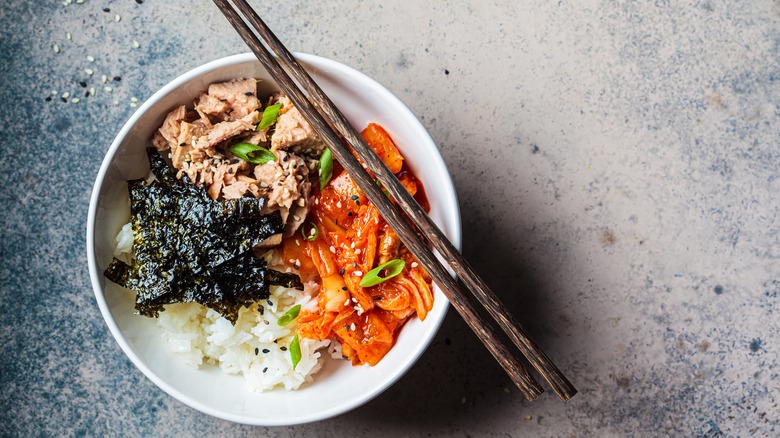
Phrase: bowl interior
(338,387)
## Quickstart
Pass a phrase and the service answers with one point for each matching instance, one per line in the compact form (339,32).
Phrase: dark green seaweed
(190,248)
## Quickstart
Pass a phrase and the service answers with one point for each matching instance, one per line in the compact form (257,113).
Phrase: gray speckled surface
(617,165)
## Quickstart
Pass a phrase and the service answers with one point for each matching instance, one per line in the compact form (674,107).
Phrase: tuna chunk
(240,94)
(170,127)
(294,133)
(212,106)
(225,130)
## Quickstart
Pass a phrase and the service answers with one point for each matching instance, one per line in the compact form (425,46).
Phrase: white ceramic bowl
(338,387)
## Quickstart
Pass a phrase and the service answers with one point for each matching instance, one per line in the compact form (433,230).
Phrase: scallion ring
(312,234)
(394,267)
(252,153)
(270,113)
(326,167)
(295,351)
(289,315)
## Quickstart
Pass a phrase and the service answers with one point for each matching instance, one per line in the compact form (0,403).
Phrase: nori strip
(189,247)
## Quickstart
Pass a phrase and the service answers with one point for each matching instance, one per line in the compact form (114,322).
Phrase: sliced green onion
(394,267)
(289,315)
(270,113)
(252,153)
(312,234)
(295,351)
(326,167)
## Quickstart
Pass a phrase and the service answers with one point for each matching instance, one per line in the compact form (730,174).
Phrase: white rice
(256,346)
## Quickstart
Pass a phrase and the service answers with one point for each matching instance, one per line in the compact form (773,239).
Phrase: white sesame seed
(354,300)
(79,1)
(65,95)
(117,18)
(69,36)
(104,79)
(116,102)
(75,100)
(54,92)
(65,3)
(89,71)
(338,204)
(346,303)
(134,99)
(91,58)
(133,104)
(56,48)
(332,249)
(136,44)
(92,91)
(357,273)
(352,326)
(415,264)
(358,251)
(108,89)
(507,390)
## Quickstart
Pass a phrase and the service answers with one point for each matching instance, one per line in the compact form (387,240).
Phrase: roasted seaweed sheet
(189,247)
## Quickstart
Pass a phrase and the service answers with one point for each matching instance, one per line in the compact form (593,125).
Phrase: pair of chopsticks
(332,126)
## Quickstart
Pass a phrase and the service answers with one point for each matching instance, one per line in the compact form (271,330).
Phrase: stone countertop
(617,166)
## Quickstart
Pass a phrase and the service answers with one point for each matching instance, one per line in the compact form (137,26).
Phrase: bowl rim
(313,61)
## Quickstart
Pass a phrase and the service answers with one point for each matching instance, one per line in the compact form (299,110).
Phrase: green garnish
(252,153)
(326,167)
(295,351)
(312,234)
(270,113)
(394,267)
(289,316)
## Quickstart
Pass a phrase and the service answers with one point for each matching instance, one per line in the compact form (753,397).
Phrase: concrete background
(617,165)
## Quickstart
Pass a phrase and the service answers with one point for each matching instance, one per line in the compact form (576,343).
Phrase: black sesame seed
(283,348)
(117,78)
(349,213)
(344,288)
(265,369)
(346,327)
(86,94)
(447,341)
(344,357)
(377,298)
(261,309)
(266,351)
(296,266)
(140,2)
(249,93)
(63,99)
(48,98)
(234,161)
(230,170)
(275,341)
(354,197)
(257,351)
(270,303)
(357,202)
(83,84)
(106,10)
(182,143)
(341,272)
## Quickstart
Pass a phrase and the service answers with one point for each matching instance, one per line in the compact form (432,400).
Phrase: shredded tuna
(199,141)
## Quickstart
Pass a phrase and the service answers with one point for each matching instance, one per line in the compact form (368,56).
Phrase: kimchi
(343,239)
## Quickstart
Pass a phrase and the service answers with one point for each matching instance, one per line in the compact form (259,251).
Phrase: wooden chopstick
(317,104)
